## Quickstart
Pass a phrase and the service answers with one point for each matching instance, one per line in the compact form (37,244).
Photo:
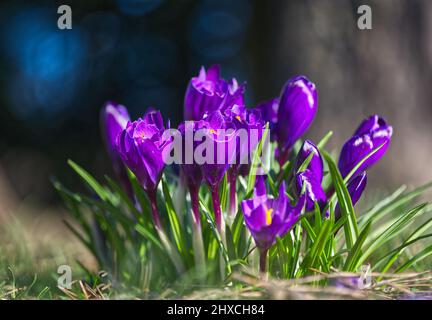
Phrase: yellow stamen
(212,131)
(238,118)
(269,216)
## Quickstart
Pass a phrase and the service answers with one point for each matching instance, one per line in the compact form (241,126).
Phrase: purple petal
(204,93)
(356,187)
(316,164)
(313,189)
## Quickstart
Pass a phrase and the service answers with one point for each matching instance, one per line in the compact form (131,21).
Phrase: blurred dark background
(141,53)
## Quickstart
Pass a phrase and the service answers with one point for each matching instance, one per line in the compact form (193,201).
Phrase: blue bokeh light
(48,64)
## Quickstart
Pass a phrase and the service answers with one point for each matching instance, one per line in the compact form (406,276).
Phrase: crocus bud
(141,146)
(372,133)
(268,218)
(311,178)
(269,113)
(297,108)
(355,188)
(113,120)
(204,93)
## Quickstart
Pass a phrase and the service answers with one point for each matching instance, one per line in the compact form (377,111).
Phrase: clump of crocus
(310,178)
(113,120)
(268,218)
(297,108)
(141,146)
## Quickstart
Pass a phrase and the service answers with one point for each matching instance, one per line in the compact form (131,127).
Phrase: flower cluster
(217,107)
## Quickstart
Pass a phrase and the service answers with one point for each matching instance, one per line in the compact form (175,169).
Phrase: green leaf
(173,218)
(413,238)
(213,228)
(394,229)
(318,245)
(100,191)
(324,140)
(393,202)
(237,226)
(318,216)
(224,192)
(355,251)
(417,258)
(142,230)
(298,235)
(305,163)
(124,197)
(307,226)
(282,253)
(231,248)
(345,203)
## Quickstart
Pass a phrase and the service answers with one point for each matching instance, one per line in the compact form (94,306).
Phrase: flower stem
(263,260)
(153,204)
(233,195)
(283,156)
(217,207)
(220,225)
(194,194)
(199,255)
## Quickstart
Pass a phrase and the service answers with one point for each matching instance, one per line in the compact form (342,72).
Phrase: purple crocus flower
(191,170)
(250,123)
(209,92)
(219,135)
(372,133)
(141,147)
(297,108)
(310,178)
(113,119)
(269,113)
(268,218)
(204,93)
